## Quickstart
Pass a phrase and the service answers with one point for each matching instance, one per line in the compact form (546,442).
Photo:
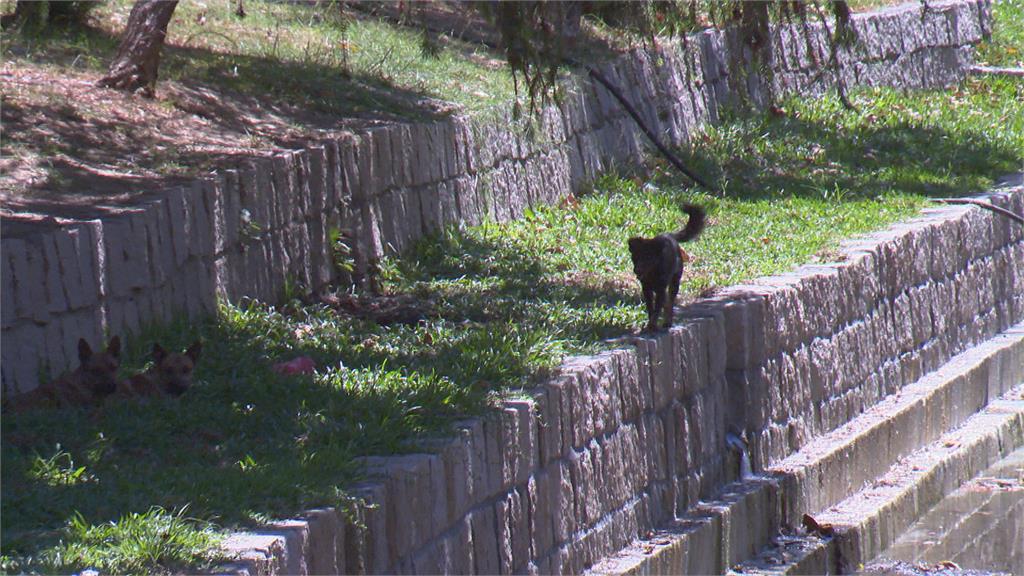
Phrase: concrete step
(835,465)
(713,536)
(980,526)
(870,520)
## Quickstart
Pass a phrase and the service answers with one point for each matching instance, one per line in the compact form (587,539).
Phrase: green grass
(306,55)
(1006,48)
(147,542)
(137,488)
(506,304)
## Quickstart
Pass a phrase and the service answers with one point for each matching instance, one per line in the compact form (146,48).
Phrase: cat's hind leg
(673,291)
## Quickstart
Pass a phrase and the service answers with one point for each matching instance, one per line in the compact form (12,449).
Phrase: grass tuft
(502,307)
(152,541)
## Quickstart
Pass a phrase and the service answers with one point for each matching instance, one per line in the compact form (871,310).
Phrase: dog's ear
(84,351)
(158,353)
(114,347)
(194,350)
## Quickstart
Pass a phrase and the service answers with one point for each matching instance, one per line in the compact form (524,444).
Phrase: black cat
(658,264)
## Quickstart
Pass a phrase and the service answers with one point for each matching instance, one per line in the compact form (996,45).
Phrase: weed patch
(503,306)
(500,307)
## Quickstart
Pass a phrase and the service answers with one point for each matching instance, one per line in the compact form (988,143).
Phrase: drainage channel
(978,529)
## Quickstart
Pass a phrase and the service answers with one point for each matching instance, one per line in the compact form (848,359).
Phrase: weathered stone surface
(458,549)
(547,403)
(321,554)
(495,453)
(8,310)
(485,529)
(296,542)
(20,362)
(199,224)
(563,505)
(524,412)
(366,539)
(518,524)
(540,492)
(124,259)
(56,298)
(255,553)
(410,502)
(28,265)
(627,434)
(467,201)
(631,398)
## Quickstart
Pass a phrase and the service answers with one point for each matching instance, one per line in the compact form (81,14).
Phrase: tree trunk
(27,14)
(755,27)
(138,57)
(755,23)
(38,14)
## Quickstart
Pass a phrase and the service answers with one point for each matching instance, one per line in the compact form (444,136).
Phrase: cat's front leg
(659,303)
(652,310)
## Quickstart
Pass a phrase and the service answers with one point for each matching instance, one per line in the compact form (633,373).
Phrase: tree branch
(650,133)
(986,205)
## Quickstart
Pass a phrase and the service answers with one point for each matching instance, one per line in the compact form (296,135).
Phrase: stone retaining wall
(253,230)
(627,439)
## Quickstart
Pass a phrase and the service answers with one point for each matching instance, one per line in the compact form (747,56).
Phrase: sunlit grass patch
(934,143)
(154,541)
(1006,47)
(502,306)
(313,55)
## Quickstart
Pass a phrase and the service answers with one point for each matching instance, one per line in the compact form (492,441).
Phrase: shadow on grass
(812,159)
(243,441)
(239,105)
(246,443)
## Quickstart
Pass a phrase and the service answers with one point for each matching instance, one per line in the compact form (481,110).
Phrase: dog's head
(99,369)
(174,370)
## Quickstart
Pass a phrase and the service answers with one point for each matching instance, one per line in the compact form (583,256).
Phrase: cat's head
(645,253)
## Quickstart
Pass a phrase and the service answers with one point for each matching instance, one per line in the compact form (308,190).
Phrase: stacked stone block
(619,443)
(631,439)
(928,51)
(266,225)
(547,484)
(811,349)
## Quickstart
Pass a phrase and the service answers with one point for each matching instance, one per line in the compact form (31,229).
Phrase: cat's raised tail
(694,225)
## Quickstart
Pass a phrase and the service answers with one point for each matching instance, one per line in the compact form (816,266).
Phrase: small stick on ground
(980,70)
(986,205)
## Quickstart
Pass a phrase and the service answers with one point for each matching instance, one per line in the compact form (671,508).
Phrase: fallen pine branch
(647,131)
(996,71)
(981,203)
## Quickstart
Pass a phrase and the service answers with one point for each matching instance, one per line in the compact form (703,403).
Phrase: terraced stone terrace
(979,527)
(494,411)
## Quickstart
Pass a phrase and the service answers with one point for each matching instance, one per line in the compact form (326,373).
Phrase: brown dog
(89,384)
(171,374)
